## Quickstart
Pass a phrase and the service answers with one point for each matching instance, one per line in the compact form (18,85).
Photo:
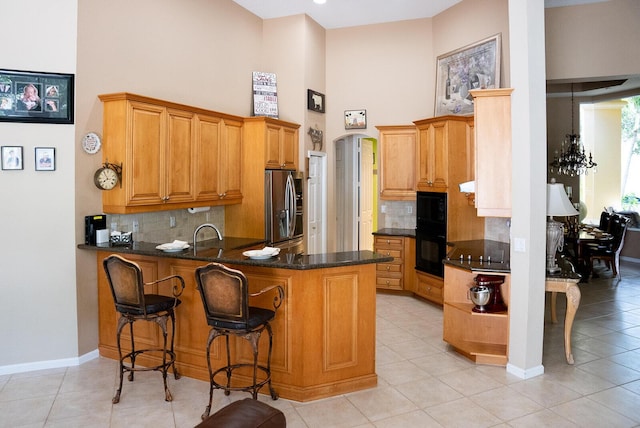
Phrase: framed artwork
(27,96)
(45,158)
(476,66)
(355,119)
(315,101)
(12,157)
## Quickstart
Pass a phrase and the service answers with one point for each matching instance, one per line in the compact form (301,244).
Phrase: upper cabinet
(271,144)
(173,156)
(279,139)
(493,151)
(445,148)
(397,162)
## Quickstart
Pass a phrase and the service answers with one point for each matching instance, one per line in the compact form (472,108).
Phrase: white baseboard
(51,364)
(525,373)
(629,259)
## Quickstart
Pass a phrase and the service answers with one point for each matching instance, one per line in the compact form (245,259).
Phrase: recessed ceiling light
(319,1)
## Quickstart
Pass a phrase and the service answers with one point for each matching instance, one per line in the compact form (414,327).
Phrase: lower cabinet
(481,337)
(399,273)
(430,287)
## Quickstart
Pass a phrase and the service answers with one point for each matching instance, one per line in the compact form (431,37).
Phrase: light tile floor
(421,382)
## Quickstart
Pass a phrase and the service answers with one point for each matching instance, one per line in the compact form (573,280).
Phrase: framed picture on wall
(315,101)
(476,66)
(12,157)
(34,97)
(355,119)
(45,158)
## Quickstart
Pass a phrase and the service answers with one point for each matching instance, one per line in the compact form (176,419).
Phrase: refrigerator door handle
(291,196)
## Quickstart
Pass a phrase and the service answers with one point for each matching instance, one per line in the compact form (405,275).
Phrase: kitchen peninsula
(323,334)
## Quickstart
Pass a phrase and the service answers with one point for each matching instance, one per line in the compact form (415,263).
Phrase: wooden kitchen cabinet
(429,286)
(169,154)
(278,139)
(492,109)
(445,146)
(398,274)
(218,159)
(481,337)
(271,143)
(397,170)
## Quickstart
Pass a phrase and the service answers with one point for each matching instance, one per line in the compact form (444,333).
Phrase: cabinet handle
(387,282)
(388,242)
(388,267)
(388,253)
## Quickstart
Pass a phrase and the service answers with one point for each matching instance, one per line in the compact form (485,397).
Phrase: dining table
(578,242)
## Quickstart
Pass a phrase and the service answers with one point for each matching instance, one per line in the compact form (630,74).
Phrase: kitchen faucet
(202,226)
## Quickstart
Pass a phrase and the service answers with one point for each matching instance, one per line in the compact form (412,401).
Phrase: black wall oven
(431,232)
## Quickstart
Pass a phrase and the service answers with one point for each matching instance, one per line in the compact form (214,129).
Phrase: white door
(366,194)
(339,194)
(317,203)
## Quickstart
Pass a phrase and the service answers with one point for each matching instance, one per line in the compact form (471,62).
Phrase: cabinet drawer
(388,241)
(429,287)
(393,267)
(389,282)
(390,252)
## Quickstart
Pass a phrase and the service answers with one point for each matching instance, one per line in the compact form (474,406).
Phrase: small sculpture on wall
(316,138)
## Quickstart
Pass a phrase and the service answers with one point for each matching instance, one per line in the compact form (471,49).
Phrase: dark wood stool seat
(247,413)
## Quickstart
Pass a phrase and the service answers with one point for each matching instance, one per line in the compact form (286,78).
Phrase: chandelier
(572,159)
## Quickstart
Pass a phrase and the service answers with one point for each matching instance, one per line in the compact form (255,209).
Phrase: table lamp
(558,204)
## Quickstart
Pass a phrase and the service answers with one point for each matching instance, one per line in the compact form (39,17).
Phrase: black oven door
(430,251)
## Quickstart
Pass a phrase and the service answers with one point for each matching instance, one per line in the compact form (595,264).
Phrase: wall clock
(91,143)
(108,176)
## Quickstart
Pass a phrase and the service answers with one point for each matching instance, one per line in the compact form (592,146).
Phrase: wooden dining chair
(610,254)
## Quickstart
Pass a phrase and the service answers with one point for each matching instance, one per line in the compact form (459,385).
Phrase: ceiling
(350,13)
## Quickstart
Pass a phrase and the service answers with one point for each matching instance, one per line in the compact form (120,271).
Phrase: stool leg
(176,375)
(212,335)
(274,394)
(162,322)
(254,339)
(133,351)
(121,322)
(227,391)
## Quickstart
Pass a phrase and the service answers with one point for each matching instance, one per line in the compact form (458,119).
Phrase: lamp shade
(558,203)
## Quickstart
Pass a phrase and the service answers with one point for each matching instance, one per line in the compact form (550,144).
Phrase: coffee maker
(487,294)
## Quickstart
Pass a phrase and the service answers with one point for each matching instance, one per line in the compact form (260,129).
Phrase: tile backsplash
(397,214)
(157,226)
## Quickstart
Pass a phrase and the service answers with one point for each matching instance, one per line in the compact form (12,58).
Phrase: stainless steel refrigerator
(284,210)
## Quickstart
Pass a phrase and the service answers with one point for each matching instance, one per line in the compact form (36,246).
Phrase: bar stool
(225,296)
(127,287)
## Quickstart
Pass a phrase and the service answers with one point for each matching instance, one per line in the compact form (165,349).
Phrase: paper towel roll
(198,210)
(102,236)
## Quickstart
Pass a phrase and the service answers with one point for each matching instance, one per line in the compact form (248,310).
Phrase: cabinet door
(493,152)
(145,154)
(289,148)
(231,161)
(178,171)
(397,163)
(207,158)
(438,154)
(433,157)
(272,146)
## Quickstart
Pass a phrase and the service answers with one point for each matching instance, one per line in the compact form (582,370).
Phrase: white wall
(37,221)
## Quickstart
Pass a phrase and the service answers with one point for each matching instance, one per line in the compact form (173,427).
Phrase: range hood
(468,187)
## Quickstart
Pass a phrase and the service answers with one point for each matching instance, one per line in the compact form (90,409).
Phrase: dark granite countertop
(230,250)
(480,255)
(392,231)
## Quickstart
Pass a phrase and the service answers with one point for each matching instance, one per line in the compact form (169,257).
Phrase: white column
(529,166)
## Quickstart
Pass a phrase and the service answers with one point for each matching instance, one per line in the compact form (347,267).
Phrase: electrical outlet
(409,209)
(383,209)
(207,217)
(136,226)
(172,221)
